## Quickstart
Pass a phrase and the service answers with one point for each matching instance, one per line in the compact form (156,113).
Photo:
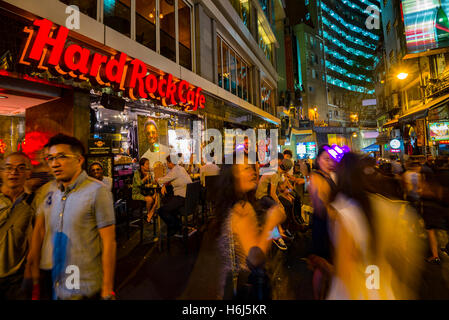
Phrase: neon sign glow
(46,48)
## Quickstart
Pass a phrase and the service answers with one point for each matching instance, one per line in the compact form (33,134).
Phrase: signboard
(99,146)
(439,131)
(47,49)
(426,24)
(306,150)
(395,146)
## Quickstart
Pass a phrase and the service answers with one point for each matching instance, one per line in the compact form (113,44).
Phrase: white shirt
(154,157)
(108,182)
(210,169)
(179,179)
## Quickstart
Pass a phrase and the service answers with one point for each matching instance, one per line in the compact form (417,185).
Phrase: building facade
(225,50)
(412,86)
(334,60)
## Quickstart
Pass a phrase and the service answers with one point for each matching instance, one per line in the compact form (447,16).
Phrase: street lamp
(402,75)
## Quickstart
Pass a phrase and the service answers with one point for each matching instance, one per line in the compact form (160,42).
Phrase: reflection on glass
(185,35)
(226,73)
(243,9)
(220,63)
(117,15)
(167,25)
(88,7)
(146,23)
(233,68)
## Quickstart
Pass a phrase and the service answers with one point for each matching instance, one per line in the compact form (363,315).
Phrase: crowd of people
(58,235)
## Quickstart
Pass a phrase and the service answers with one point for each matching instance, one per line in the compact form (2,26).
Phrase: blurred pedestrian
(322,191)
(241,233)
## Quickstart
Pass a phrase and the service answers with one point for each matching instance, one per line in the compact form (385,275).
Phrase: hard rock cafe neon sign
(46,48)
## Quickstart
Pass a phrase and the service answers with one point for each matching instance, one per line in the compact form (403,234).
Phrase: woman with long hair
(141,177)
(242,233)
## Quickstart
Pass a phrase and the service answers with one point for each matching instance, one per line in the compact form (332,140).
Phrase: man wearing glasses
(16,215)
(81,223)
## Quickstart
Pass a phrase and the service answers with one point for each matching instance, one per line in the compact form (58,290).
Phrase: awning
(421,111)
(372,148)
(390,123)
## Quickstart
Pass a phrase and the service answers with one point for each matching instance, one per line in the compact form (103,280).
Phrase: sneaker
(288,234)
(280,244)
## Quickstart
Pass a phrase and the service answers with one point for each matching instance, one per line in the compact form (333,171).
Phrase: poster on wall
(426,24)
(439,131)
(152,135)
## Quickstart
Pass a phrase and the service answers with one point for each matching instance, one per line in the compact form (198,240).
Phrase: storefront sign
(395,146)
(47,49)
(99,146)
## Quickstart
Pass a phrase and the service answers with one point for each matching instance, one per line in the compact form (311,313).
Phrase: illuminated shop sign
(395,146)
(47,48)
(426,24)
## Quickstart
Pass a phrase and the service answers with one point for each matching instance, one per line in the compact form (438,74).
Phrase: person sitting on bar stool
(141,178)
(209,169)
(171,204)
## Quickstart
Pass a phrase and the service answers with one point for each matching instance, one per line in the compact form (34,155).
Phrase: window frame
(100,18)
(228,63)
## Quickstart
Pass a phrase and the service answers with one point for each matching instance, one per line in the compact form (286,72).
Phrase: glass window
(167,32)
(146,23)
(220,63)
(264,42)
(245,81)
(246,12)
(233,68)
(226,73)
(266,96)
(239,77)
(185,34)
(88,7)
(117,15)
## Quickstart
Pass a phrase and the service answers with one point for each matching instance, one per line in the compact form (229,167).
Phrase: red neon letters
(47,48)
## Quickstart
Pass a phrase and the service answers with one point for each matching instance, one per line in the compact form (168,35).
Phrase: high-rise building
(335,56)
